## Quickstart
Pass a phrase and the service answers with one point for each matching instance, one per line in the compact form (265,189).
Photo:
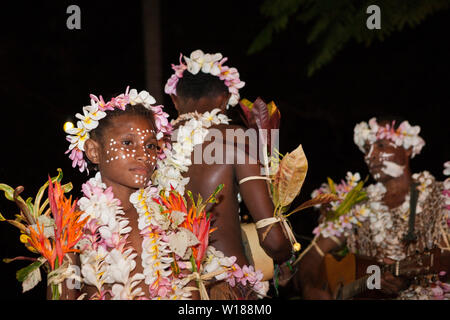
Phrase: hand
(285,274)
(391,284)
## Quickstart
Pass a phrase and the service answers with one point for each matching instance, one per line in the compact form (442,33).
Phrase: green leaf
(67,187)
(199,200)
(9,192)
(212,198)
(331,184)
(191,196)
(29,203)
(23,273)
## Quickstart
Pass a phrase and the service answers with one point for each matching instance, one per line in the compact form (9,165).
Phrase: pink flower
(171,85)
(161,287)
(437,291)
(445,287)
(235,273)
(101,103)
(77,159)
(254,276)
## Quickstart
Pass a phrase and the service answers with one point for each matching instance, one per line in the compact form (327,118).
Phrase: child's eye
(126,142)
(151,146)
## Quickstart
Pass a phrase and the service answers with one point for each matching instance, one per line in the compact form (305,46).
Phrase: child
(201,90)
(121,140)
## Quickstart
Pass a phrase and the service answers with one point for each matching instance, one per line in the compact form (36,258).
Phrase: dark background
(48,71)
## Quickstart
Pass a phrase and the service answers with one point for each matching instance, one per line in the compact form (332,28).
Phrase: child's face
(127,154)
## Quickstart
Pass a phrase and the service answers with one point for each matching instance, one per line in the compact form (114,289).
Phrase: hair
(200,85)
(98,133)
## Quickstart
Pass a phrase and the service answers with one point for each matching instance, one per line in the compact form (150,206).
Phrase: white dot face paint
(392,169)
(385,155)
(129,151)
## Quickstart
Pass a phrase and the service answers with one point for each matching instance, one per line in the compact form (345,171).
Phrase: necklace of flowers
(105,256)
(177,160)
(207,63)
(168,175)
(96,111)
(373,209)
(106,259)
(405,135)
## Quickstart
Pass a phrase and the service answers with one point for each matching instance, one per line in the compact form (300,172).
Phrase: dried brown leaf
(320,199)
(290,176)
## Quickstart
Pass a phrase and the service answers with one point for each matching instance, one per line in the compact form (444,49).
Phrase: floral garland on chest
(168,244)
(384,226)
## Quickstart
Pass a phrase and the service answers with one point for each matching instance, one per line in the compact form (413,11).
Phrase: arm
(308,280)
(257,199)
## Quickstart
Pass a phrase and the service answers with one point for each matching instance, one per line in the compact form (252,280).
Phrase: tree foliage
(333,23)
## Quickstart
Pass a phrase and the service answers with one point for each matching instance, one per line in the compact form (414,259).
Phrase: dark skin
(204,178)
(397,187)
(136,159)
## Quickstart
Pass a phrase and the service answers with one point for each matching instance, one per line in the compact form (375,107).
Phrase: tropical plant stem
(55,287)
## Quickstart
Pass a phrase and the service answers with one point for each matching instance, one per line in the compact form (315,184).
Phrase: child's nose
(142,154)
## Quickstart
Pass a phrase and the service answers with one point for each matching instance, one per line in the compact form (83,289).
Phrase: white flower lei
(105,258)
(187,136)
(358,214)
(405,135)
(373,208)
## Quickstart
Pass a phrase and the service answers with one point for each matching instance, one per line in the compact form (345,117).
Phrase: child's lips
(140,170)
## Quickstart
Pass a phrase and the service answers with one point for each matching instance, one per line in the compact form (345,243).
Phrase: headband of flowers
(207,63)
(405,135)
(96,111)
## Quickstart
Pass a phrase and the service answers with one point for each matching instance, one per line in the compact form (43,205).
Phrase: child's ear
(92,149)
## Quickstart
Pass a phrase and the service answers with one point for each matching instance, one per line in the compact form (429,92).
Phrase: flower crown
(405,135)
(96,111)
(207,63)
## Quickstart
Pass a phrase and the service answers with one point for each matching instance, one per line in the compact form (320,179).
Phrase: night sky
(47,73)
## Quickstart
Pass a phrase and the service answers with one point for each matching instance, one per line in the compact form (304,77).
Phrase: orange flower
(68,227)
(196,220)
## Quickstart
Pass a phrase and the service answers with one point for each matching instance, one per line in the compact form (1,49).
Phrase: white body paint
(117,153)
(392,169)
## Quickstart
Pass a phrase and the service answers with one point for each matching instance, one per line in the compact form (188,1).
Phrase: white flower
(352,179)
(209,118)
(91,116)
(447,168)
(361,134)
(77,136)
(234,99)
(197,55)
(120,265)
(142,97)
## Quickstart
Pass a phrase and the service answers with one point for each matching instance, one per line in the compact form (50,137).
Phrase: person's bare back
(227,170)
